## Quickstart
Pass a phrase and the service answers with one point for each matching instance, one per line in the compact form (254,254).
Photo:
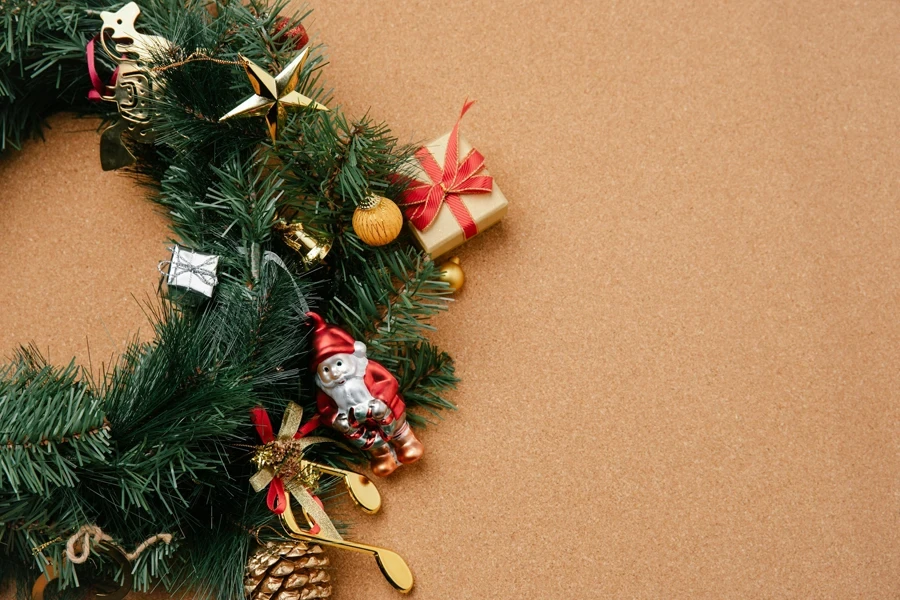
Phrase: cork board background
(679,351)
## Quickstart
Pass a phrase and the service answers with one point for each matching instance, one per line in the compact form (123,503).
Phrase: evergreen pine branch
(51,426)
(42,45)
(425,374)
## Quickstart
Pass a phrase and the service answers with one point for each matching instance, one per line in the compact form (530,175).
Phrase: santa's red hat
(328,340)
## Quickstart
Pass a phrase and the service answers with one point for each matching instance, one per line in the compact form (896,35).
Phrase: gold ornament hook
(37,590)
(114,552)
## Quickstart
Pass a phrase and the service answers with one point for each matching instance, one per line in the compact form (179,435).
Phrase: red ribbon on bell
(422,201)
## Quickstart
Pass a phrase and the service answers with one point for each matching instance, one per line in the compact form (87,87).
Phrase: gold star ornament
(273,94)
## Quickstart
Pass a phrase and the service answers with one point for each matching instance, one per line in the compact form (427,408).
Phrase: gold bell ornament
(377,221)
(452,274)
(312,250)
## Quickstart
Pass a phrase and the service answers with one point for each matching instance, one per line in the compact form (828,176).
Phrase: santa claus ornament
(359,398)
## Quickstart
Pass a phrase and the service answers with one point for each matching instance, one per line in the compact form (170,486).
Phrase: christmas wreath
(291,295)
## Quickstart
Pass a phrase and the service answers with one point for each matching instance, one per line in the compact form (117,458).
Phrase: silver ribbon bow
(192,264)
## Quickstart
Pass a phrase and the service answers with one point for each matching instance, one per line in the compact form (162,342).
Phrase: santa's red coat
(380,383)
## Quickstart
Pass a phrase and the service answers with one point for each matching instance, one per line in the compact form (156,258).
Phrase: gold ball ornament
(377,221)
(452,273)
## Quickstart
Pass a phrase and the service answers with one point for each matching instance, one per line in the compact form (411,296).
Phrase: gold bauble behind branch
(377,221)
(452,273)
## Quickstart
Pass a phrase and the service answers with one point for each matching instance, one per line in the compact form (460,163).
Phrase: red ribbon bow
(276,499)
(423,200)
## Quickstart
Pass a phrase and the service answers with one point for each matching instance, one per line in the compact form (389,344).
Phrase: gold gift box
(445,233)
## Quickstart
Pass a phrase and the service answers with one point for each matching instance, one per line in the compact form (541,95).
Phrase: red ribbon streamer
(276,498)
(423,200)
(100,89)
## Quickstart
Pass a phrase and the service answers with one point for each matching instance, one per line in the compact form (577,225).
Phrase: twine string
(165,538)
(89,536)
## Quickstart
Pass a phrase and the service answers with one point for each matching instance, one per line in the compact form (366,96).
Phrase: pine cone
(287,571)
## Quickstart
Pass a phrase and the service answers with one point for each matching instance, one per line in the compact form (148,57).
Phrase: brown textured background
(679,351)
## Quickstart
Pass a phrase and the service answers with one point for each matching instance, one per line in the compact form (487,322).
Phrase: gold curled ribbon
(290,423)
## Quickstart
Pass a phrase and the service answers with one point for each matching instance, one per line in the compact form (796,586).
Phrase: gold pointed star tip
(245,62)
(269,92)
(252,106)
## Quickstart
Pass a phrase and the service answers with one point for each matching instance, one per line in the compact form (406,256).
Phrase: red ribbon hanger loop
(100,91)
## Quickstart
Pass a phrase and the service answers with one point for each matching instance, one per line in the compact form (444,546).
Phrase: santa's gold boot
(408,447)
(382,461)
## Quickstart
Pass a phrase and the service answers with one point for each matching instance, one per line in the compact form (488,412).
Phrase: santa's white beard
(349,394)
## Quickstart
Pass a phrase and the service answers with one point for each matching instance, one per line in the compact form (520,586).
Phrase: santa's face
(338,369)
